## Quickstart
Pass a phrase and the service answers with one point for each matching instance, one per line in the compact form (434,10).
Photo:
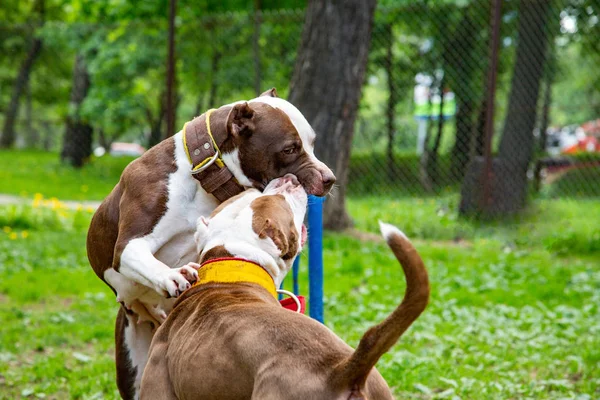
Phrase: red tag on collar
(290,304)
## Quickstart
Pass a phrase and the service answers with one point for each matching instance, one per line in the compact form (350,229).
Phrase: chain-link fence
(425,106)
(425,122)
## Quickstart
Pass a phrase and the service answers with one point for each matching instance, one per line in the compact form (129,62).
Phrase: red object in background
(290,304)
(589,144)
(591,127)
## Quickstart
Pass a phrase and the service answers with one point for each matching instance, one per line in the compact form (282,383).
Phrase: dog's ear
(240,121)
(286,240)
(270,229)
(270,93)
(293,244)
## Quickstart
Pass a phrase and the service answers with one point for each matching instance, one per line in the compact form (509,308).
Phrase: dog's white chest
(174,233)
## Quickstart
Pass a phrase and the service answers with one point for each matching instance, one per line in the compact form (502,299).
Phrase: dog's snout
(328,180)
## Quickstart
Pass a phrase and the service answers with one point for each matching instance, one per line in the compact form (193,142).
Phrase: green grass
(562,225)
(514,311)
(581,182)
(26,173)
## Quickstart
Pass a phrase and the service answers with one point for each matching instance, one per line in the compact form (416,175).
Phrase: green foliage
(575,94)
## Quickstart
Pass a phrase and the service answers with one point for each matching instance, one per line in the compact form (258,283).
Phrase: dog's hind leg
(132,342)
(156,382)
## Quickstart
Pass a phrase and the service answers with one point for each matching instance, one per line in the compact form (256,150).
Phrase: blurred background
(473,125)
(79,79)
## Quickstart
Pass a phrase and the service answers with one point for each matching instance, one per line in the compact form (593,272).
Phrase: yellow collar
(205,163)
(230,270)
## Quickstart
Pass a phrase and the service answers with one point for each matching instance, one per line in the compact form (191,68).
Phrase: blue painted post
(295,269)
(315,256)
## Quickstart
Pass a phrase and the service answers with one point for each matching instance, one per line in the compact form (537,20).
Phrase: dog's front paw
(177,280)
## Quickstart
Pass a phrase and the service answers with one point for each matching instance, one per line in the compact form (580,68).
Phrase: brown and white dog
(228,340)
(141,237)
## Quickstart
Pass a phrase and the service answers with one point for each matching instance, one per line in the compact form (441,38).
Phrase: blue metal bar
(295,269)
(315,256)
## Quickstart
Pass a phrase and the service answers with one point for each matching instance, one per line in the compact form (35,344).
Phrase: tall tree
(77,143)
(517,143)
(326,85)
(507,178)
(21,82)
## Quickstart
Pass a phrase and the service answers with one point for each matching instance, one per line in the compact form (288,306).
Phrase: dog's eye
(289,150)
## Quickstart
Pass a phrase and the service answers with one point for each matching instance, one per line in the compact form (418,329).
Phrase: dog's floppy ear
(240,121)
(270,229)
(286,240)
(270,93)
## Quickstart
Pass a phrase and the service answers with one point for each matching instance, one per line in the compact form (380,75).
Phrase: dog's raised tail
(354,371)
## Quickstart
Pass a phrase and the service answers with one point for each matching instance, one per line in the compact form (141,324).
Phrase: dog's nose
(328,180)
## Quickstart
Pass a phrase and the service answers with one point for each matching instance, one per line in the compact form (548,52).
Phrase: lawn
(28,172)
(513,313)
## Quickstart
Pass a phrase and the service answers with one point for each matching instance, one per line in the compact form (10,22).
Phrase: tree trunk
(517,142)
(326,85)
(12,111)
(32,136)
(77,144)
(155,132)
(544,123)
(480,129)
(391,105)
(104,140)
(545,118)
(256,48)
(156,124)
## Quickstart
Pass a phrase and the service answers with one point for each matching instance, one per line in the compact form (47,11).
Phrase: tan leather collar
(208,167)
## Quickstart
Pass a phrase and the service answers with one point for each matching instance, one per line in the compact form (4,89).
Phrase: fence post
(295,269)
(315,256)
